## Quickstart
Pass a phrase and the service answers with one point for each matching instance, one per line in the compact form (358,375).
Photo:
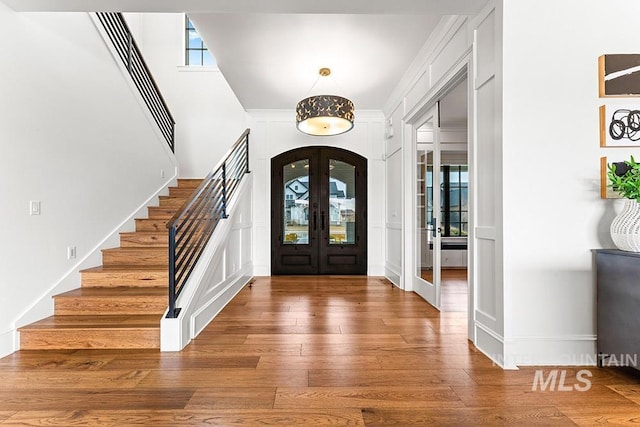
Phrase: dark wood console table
(618,307)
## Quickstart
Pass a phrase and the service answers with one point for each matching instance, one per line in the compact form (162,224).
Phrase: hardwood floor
(294,351)
(453,288)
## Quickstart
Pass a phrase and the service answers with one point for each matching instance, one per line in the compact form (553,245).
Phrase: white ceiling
(271,61)
(270,51)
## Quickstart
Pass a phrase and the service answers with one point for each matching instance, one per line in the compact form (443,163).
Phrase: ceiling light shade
(324,115)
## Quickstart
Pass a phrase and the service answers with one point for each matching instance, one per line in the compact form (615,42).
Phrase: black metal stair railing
(192,226)
(118,31)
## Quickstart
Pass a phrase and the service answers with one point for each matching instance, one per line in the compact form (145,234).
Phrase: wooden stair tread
(116,269)
(134,250)
(144,321)
(114,292)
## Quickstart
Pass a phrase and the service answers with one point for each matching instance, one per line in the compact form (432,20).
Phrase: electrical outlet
(34,207)
(71,252)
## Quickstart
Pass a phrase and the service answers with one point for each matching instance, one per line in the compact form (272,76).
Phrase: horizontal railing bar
(180,212)
(195,222)
(127,49)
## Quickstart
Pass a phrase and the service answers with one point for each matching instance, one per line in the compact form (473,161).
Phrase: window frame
(445,198)
(189,28)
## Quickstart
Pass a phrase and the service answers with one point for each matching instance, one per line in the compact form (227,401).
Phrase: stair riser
(156,240)
(172,202)
(133,278)
(151,225)
(156,212)
(189,183)
(106,306)
(64,339)
(181,192)
(139,257)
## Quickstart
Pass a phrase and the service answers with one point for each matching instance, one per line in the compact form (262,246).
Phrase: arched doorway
(318,212)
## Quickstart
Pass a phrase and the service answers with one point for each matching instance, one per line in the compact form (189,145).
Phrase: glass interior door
(428,219)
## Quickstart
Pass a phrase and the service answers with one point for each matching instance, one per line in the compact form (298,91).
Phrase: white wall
(209,117)
(553,215)
(274,132)
(75,136)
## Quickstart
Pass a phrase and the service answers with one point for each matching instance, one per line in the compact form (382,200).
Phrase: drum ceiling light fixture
(324,115)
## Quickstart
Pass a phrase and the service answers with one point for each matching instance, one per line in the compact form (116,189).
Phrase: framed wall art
(619,75)
(620,125)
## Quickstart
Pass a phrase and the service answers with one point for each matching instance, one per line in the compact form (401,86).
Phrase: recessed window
(196,53)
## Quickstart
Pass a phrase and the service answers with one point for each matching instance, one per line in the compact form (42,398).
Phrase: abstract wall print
(620,125)
(606,192)
(619,75)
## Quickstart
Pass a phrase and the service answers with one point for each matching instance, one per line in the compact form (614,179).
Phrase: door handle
(322,220)
(315,220)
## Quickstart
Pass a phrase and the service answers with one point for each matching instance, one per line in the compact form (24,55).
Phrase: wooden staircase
(120,303)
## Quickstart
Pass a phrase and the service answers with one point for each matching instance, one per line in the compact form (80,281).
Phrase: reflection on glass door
(342,203)
(296,203)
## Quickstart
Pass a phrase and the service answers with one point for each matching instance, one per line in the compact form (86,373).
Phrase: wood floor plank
(115,399)
(525,375)
(631,392)
(239,350)
(319,362)
(524,396)
(465,360)
(366,397)
(185,361)
(227,377)
(375,349)
(275,329)
(599,415)
(68,360)
(67,379)
(233,398)
(473,417)
(229,418)
(6,414)
(408,377)
(324,338)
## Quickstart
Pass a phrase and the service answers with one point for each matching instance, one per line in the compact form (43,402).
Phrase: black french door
(318,212)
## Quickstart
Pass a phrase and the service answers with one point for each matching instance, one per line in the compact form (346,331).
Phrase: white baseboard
(570,350)
(392,276)
(491,345)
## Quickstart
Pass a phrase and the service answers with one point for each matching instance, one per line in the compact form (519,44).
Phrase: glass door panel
(342,203)
(428,217)
(296,203)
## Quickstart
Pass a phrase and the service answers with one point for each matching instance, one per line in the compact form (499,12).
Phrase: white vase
(625,228)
